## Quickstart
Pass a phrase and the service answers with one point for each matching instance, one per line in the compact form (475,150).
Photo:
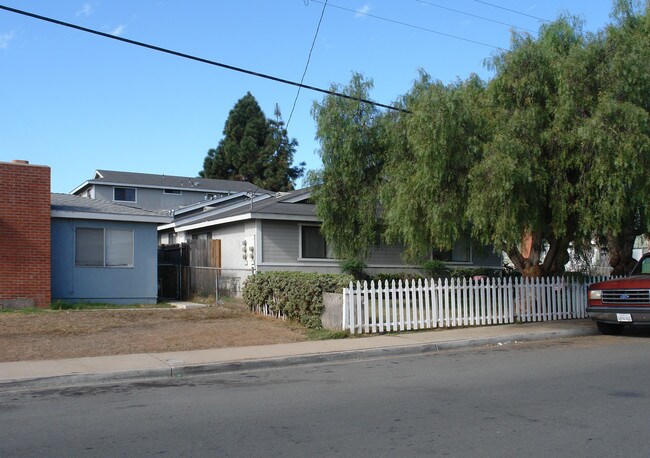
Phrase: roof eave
(110,216)
(241,217)
(80,187)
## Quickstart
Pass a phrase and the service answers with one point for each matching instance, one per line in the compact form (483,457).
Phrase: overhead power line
(406,24)
(322,13)
(474,15)
(198,59)
(512,11)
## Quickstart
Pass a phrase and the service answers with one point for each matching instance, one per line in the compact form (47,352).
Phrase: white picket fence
(429,304)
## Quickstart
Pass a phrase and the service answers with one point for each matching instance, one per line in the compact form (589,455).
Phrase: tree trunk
(530,266)
(620,251)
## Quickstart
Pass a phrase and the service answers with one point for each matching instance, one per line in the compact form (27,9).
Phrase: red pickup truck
(612,304)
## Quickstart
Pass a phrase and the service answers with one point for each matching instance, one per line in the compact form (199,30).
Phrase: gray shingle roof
(70,203)
(280,206)
(170,181)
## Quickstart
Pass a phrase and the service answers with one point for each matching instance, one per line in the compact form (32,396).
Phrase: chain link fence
(186,282)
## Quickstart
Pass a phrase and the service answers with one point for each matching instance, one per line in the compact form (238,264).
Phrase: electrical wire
(512,11)
(475,15)
(406,24)
(198,59)
(307,64)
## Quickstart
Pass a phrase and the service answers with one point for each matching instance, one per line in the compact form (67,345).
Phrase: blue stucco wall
(117,285)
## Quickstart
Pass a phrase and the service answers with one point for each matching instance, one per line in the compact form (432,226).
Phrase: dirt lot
(77,333)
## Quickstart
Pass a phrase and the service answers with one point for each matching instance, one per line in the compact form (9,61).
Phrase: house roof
(289,206)
(147,180)
(72,206)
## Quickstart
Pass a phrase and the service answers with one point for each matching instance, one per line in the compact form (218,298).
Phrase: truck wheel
(609,329)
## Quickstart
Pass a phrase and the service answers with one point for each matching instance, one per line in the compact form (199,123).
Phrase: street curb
(349,355)
(130,376)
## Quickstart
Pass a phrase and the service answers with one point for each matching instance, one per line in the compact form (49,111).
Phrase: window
(172,191)
(461,252)
(103,248)
(124,194)
(313,243)
(89,247)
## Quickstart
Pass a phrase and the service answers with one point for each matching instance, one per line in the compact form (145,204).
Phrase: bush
(466,272)
(403,276)
(435,269)
(353,267)
(296,295)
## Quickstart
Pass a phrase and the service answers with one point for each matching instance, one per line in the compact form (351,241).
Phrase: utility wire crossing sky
(79,102)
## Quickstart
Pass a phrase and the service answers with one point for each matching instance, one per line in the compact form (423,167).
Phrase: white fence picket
(429,304)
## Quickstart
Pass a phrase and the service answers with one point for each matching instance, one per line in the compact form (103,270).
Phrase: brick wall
(24,235)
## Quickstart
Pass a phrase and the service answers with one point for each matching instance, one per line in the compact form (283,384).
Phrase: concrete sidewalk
(108,369)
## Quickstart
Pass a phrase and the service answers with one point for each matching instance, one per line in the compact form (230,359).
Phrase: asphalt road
(576,397)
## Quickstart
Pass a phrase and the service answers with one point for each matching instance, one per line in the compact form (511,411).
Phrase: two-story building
(157,192)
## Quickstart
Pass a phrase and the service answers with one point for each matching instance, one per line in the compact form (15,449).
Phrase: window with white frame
(124,194)
(96,247)
(172,191)
(313,244)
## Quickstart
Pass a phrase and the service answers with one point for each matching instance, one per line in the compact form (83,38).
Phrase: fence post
(446,299)
(216,288)
(380,305)
(510,301)
(345,308)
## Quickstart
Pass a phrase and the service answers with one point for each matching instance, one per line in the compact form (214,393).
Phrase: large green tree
(552,150)
(353,158)
(431,150)
(616,135)
(526,185)
(254,149)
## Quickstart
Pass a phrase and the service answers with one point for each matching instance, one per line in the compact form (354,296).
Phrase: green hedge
(450,272)
(297,295)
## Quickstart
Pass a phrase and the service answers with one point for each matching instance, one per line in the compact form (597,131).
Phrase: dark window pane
(124,194)
(461,252)
(313,243)
(89,247)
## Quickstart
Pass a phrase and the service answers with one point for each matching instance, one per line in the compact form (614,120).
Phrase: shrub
(435,269)
(466,272)
(353,267)
(296,295)
(403,276)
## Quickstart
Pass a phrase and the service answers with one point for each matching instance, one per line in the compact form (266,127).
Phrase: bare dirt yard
(55,334)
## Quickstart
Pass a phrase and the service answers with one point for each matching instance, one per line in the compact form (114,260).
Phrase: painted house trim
(108,217)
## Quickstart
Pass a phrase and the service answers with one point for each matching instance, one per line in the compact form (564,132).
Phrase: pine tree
(254,149)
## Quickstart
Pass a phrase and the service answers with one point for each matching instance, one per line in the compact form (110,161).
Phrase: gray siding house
(282,232)
(157,192)
(103,252)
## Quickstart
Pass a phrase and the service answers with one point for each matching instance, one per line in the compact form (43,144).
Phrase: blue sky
(78,102)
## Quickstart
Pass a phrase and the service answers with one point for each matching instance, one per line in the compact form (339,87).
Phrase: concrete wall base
(332,317)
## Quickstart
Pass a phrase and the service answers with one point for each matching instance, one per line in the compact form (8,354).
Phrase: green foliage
(424,190)
(65,305)
(352,155)
(353,267)
(254,149)
(402,276)
(434,269)
(26,310)
(555,148)
(297,295)
(326,334)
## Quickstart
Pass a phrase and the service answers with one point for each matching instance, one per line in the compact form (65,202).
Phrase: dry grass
(76,333)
